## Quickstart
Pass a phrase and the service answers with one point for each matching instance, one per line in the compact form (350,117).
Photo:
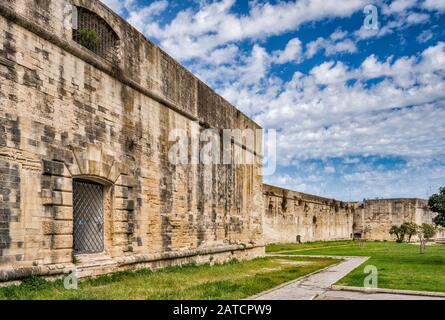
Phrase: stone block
(126,181)
(124,204)
(57,227)
(62,184)
(53,168)
(62,241)
(62,213)
(120,228)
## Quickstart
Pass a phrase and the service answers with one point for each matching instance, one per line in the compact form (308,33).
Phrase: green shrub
(88,38)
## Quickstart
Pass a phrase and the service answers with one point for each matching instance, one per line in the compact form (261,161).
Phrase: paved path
(318,286)
(349,295)
(309,249)
(315,285)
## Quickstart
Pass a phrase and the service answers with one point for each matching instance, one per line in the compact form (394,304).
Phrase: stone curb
(390,291)
(16,274)
(309,249)
(295,280)
(319,256)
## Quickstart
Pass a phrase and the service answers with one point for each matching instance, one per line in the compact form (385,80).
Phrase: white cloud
(224,55)
(331,111)
(195,33)
(398,6)
(338,35)
(119,5)
(425,36)
(438,5)
(397,15)
(292,52)
(329,72)
(330,170)
(249,69)
(142,17)
(416,18)
(320,115)
(335,44)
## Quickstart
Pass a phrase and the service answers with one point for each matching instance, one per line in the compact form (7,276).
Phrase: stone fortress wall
(290,216)
(374,218)
(69,114)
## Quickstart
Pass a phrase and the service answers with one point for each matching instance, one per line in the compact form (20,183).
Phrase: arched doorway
(88,216)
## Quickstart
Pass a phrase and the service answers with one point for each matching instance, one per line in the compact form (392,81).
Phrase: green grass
(400,266)
(273,248)
(233,280)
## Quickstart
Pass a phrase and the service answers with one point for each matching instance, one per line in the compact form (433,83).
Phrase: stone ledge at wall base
(98,265)
(389,291)
(440,241)
(309,242)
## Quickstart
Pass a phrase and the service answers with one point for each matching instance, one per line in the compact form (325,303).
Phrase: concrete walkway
(318,286)
(308,249)
(309,288)
(350,295)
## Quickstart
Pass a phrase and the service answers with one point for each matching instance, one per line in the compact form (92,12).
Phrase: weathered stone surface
(57,227)
(67,113)
(374,218)
(290,216)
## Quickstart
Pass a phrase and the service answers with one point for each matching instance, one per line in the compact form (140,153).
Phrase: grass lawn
(273,248)
(400,266)
(233,280)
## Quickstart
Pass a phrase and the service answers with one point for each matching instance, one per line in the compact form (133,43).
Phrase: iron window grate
(88,217)
(90,26)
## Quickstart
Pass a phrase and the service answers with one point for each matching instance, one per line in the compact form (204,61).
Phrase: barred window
(95,34)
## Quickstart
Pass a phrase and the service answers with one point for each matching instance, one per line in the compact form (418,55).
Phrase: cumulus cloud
(335,44)
(292,52)
(142,17)
(319,114)
(391,107)
(438,5)
(395,16)
(398,6)
(195,33)
(416,18)
(120,5)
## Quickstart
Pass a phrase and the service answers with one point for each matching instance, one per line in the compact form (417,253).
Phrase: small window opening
(95,34)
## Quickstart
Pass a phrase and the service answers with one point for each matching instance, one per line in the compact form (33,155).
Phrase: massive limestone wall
(290,216)
(374,218)
(67,113)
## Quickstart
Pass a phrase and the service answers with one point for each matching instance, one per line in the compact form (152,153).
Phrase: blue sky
(360,113)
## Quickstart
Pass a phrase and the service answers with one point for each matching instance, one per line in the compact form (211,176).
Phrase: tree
(425,232)
(399,232)
(437,204)
(410,229)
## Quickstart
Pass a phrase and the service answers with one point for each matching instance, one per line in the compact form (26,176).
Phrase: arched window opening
(95,34)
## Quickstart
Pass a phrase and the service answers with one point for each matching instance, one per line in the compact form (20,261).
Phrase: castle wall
(66,113)
(374,218)
(290,214)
